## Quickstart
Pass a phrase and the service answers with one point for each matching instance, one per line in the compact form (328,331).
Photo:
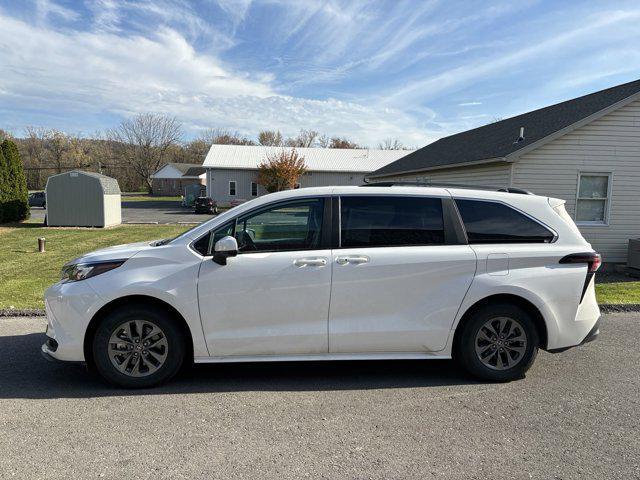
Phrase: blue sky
(369,70)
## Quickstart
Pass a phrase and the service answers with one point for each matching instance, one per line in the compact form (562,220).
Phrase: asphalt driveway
(151,211)
(576,415)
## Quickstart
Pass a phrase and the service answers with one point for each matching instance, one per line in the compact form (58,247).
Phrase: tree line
(132,151)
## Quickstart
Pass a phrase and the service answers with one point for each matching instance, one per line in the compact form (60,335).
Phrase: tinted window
(491,222)
(290,226)
(390,221)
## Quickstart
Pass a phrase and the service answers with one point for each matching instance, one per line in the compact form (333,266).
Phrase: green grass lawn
(25,274)
(618,292)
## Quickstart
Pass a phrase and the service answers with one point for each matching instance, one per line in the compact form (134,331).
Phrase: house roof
(316,159)
(183,168)
(500,139)
(194,171)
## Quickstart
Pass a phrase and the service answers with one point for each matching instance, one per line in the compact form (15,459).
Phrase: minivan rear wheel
(138,347)
(498,343)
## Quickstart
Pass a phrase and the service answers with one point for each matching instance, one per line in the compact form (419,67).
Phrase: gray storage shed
(82,199)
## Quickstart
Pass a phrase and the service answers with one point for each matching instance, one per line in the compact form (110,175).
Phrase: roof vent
(521,136)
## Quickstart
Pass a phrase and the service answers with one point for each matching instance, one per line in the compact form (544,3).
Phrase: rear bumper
(591,336)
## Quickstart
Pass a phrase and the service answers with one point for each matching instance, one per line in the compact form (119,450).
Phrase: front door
(273,298)
(397,285)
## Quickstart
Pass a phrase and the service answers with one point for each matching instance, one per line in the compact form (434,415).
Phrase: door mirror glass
(224,248)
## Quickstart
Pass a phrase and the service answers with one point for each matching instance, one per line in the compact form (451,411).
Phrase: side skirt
(324,357)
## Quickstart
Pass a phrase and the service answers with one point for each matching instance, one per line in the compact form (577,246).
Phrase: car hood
(117,252)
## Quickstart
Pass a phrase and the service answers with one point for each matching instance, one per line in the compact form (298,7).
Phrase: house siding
(218,182)
(493,174)
(609,144)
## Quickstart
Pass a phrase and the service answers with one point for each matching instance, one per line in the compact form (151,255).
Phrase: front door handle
(310,262)
(356,259)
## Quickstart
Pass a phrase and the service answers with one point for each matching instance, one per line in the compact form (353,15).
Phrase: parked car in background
(336,273)
(205,205)
(38,199)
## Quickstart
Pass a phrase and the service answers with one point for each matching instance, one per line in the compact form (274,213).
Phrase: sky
(368,70)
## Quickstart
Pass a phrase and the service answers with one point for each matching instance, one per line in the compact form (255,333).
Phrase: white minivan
(336,273)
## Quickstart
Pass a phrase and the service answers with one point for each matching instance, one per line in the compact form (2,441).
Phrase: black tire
(175,341)
(465,345)
(215,210)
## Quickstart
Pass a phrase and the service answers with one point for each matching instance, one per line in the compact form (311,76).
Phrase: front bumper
(69,308)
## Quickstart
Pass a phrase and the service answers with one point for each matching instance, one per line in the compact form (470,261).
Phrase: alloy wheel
(501,343)
(138,348)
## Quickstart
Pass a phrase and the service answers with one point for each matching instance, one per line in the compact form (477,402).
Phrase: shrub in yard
(4,193)
(13,183)
(281,170)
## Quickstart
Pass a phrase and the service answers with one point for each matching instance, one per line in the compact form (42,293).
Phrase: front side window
(492,222)
(385,221)
(295,225)
(593,198)
(232,188)
(204,245)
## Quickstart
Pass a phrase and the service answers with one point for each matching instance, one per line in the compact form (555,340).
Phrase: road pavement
(576,415)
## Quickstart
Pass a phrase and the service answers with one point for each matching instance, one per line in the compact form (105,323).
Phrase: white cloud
(469,104)
(76,73)
(587,32)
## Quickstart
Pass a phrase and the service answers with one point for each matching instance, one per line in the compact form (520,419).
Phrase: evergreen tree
(4,194)
(15,182)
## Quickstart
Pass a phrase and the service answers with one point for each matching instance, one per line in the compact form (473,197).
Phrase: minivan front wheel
(138,347)
(498,343)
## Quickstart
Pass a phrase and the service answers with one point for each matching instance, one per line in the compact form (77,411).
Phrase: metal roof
(316,159)
(500,139)
(109,185)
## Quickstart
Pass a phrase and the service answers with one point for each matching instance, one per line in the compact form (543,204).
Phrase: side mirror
(224,248)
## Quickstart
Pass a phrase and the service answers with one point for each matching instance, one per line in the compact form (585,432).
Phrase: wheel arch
(128,301)
(508,298)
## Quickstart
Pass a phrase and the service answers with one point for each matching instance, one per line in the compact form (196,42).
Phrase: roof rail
(447,185)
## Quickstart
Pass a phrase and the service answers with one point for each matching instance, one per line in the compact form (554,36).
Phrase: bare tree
(304,139)
(324,141)
(281,171)
(391,144)
(57,147)
(219,136)
(342,142)
(142,142)
(270,138)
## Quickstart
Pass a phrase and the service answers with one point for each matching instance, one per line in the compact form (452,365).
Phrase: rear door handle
(356,259)
(310,262)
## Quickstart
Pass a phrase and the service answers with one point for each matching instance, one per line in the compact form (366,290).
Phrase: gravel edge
(36,312)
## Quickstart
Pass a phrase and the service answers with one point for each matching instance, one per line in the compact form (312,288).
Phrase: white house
(232,170)
(172,178)
(585,151)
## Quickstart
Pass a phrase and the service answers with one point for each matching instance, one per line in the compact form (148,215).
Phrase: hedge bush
(14,196)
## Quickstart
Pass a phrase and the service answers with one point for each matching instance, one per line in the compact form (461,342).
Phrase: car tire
(138,346)
(215,210)
(498,343)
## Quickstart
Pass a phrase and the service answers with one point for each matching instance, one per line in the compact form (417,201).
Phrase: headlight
(81,271)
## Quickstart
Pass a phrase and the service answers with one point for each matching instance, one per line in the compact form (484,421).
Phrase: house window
(232,188)
(594,195)
(254,189)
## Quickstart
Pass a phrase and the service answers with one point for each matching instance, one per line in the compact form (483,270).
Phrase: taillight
(592,259)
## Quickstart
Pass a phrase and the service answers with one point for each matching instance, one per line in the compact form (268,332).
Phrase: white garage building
(232,170)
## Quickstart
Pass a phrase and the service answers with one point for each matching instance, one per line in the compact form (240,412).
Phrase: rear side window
(491,222)
(382,221)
